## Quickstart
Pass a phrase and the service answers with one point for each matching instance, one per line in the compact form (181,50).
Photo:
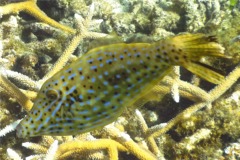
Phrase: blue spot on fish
(80,96)
(107,103)
(68,70)
(90,61)
(97,98)
(88,102)
(109,61)
(136,54)
(47,119)
(71,90)
(95,108)
(65,84)
(83,112)
(106,73)
(118,76)
(100,76)
(105,83)
(93,67)
(105,92)
(116,86)
(121,56)
(88,118)
(72,76)
(93,80)
(90,91)
(82,104)
(39,127)
(73,99)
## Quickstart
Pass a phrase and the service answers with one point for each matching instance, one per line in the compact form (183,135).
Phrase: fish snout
(19,131)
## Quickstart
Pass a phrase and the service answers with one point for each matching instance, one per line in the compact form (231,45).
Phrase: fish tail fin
(204,72)
(195,46)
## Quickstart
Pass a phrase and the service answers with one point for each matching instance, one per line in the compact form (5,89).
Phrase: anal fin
(204,72)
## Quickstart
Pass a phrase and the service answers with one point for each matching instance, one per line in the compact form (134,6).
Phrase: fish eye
(52,94)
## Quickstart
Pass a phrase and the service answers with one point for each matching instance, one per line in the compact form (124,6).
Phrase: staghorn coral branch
(164,87)
(30,94)
(35,157)
(185,88)
(213,95)
(189,143)
(225,85)
(174,88)
(48,140)
(31,8)
(52,151)
(13,154)
(127,142)
(11,127)
(135,149)
(81,34)
(68,148)
(25,102)
(23,80)
(34,146)
(91,154)
(49,146)
(26,81)
(61,62)
(150,140)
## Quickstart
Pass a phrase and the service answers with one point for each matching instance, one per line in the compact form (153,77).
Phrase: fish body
(94,90)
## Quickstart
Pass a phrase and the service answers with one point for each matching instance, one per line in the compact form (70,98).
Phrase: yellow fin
(195,46)
(204,72)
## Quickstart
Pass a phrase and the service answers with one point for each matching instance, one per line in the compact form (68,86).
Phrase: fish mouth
(19,131)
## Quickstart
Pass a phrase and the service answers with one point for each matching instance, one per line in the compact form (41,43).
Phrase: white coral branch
(52,151)
(13,154)
(9,128)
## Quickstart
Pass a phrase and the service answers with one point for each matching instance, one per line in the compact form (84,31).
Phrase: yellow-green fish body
(93,91)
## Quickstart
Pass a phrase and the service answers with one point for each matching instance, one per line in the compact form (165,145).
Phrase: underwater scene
(119,79)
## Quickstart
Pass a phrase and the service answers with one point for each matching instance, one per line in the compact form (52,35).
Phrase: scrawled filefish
(93,91)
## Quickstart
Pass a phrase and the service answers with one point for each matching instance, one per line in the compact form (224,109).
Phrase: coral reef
(183,118)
